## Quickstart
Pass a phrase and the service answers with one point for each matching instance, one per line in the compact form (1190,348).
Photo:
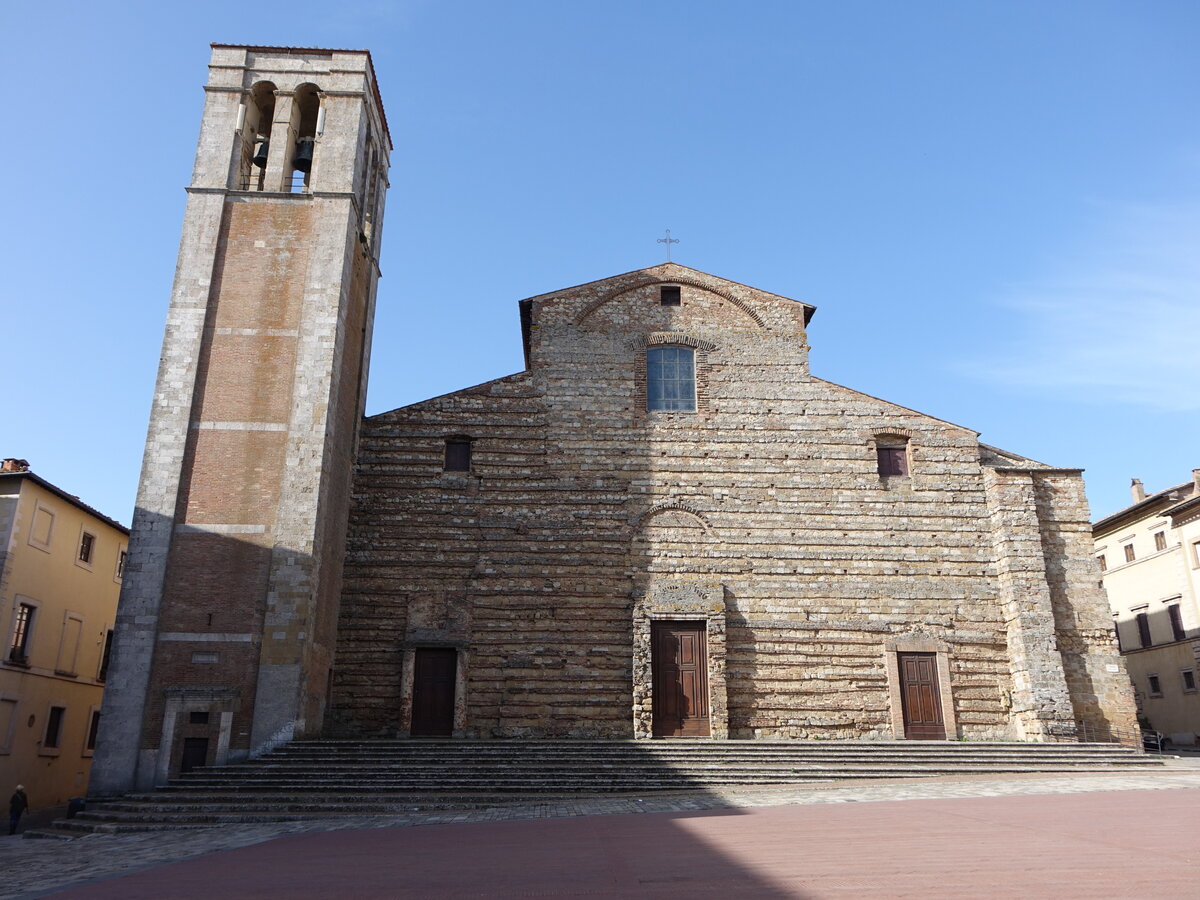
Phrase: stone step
(361,778)
(383,773)
(680,768)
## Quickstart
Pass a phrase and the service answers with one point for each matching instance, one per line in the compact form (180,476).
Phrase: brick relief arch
(657,338)
(691,282)
(689,512)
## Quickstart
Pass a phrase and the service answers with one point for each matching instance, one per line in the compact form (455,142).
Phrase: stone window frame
(1183,679)
(44,748)
(6,737)
(1152,679)
(1160,541)
(86,547)
(702,366)
(32,540)
(680,602)
(31,627)
(892,438)
(93,721)
(892,648)
(66,663)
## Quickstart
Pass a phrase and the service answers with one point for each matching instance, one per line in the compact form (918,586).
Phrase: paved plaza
(1034,836)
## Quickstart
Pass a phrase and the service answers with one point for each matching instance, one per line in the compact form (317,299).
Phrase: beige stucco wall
(74,608)
(1152,583)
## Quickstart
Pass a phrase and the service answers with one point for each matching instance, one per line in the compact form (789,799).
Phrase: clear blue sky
(995,206)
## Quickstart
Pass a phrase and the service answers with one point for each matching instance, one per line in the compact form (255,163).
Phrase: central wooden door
(434,671)
(920,697)
(679,658)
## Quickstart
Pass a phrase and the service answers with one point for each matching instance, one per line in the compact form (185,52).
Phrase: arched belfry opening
(256,115)
(305,126)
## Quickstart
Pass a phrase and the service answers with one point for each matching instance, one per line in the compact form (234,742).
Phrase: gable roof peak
(670,271)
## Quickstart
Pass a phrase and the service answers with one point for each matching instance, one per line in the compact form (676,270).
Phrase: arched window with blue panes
(671,378)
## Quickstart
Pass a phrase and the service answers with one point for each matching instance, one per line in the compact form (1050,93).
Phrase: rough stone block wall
(1094,668)
(579,500)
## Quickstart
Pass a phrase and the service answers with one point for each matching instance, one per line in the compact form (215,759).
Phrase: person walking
(16,807)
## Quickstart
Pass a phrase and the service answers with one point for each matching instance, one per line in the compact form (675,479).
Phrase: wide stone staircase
(308,779)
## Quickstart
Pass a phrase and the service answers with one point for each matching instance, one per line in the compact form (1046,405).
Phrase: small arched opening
(257,113)
(306,111)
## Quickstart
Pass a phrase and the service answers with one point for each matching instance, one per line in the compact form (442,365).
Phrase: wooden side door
(434,674)
(921,697)
(679,659)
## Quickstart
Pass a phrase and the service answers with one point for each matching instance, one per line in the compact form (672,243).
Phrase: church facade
(664,526)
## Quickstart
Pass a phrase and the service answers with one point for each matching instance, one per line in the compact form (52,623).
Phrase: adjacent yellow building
(1149,554)
(61,564)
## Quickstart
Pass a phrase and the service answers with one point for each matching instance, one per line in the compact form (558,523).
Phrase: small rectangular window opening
(1160,540)
(1155,685)
(892,461)
(458,456)
(105,655)
(93,728)
(86,544)
(1189,680)
(54,727)
(1129,554)
(669,295)
(198,718)
(1103,562)
(122,555)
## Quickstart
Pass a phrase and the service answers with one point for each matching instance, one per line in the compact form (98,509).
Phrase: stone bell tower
(225,631)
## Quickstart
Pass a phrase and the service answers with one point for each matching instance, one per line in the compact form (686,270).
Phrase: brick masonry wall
(579,500)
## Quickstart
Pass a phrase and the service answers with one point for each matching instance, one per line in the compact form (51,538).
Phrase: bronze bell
(260,155)
(304,155)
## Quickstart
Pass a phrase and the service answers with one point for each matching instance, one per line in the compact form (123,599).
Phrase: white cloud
(1119,321)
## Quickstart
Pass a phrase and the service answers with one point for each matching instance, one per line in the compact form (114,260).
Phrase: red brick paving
(1134,844)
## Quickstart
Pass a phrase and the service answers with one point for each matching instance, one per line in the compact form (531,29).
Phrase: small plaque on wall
(1111,667)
